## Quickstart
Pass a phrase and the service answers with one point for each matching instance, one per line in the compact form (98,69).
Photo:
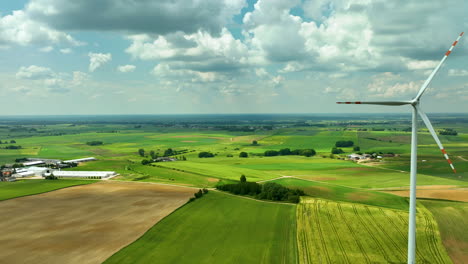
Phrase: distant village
(38,168)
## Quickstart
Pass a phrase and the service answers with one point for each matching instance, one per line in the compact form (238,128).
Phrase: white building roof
(62,173)
(80,160)
(32,163)
(25,173)
(37,169)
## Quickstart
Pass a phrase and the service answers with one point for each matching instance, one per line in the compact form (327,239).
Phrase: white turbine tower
(414,146)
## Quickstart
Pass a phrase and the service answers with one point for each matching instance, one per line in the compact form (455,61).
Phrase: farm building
(38,171)
(164,159)
(46,161)
(33,163)
(82,174)
(20,173)
(355,156)
(80,160)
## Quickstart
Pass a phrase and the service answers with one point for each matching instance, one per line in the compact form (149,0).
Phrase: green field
(222,228)
(9,190)
(337,232)
(452,218)
(343,193)
(218,228)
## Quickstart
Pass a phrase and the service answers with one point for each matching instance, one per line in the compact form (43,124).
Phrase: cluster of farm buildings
(41,168)
(356,157)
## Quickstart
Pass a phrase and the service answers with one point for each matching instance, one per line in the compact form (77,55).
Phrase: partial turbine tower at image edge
(414,148)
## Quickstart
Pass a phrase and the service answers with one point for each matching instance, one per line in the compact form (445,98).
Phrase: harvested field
(84,224)
(452,194)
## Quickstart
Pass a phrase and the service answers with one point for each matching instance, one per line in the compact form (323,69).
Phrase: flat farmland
(218,228)
(452,218)
(83,224)
(9,190)
(338,232)
(441,192)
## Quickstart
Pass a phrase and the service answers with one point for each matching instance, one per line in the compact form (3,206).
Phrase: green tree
(12,141)
(337,151)
(168,152)
(243,155)
(357,148)
(284,152)
(152,154)
(243,178)
(255,143)
(205,154)
(145,162)
(270,153)
(141,152)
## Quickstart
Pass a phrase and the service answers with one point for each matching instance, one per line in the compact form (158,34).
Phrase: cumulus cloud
(37,78)
(126,68)
(160,17)
(18,28)
(96,60)
(199,51)
(34,72)
(389,85)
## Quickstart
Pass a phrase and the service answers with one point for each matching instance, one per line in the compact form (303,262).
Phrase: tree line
(267,191)
(287,151)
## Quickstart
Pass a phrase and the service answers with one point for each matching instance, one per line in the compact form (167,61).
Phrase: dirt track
(83,224)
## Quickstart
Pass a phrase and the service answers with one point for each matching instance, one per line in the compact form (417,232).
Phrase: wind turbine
(414,147)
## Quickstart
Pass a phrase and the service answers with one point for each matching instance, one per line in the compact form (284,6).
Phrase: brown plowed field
(437,192)
(83,224)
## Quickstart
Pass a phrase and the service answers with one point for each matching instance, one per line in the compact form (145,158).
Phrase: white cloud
(155,17)
(34,79)
(34,72)
(390,85)
(46,49)
(18,28)
(199,51)
(66,51)
(96,60)
(457,72)
(421,64)
(126,68)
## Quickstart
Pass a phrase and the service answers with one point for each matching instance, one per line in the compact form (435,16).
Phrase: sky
(62,57)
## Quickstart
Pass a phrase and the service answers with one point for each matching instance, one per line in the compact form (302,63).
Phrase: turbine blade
(429,79)
(434,135)
(379,102)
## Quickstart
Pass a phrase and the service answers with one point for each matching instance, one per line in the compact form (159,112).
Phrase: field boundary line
(26,195)
(253,199)
(143,182)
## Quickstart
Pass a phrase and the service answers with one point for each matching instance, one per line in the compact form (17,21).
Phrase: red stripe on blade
(461,34)
(455,43)
(443,151)
(447,53)
(449,161)
(358,103)
(347,102)
(454,171)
